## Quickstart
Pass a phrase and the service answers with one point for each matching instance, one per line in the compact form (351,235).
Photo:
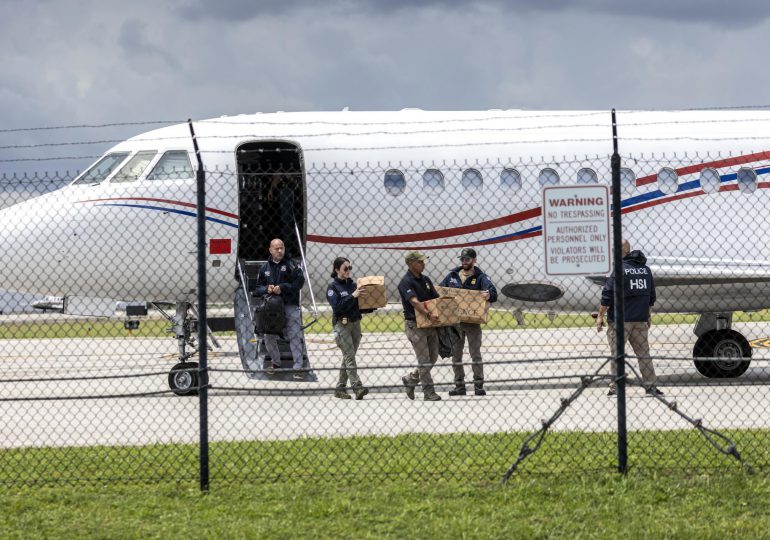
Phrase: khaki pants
(473,333)
(636,335)
(348,337)
(425,344)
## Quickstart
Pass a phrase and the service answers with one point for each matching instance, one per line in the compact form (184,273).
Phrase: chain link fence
(108,391)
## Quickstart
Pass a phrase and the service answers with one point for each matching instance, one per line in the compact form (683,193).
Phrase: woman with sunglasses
(343,293)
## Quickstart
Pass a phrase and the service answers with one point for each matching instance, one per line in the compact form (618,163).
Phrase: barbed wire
(236,120)
(89,126)
(203,137)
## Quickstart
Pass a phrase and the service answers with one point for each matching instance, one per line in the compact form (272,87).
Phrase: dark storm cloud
(134,41)
(715,12)
(237,10)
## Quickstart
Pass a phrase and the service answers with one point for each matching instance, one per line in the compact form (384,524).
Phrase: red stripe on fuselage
(727,162)
(463,244)
(430,235)
(167,201)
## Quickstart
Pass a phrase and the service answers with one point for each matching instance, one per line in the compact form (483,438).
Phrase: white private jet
(372,185)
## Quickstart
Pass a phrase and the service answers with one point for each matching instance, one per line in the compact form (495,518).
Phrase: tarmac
(94,391)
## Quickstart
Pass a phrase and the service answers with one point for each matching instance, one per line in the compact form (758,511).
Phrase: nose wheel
(183,379)
(722,354)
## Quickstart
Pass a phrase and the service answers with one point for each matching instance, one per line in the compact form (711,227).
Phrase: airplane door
(271,199)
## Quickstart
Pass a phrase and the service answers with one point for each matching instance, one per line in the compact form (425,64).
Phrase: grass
(93,328)
(411,486)
(601,505)
(388,321)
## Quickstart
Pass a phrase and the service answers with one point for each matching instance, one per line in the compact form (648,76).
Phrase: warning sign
(576,230)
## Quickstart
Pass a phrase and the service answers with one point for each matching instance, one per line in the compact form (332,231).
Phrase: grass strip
(390,321)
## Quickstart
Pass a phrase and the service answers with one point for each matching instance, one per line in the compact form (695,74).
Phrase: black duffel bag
(269,316)
(447,337)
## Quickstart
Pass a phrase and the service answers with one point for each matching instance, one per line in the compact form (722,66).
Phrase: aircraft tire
(720,351)
(183,379)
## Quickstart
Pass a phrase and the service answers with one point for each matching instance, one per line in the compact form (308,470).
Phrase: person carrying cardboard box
(469,276)
(345,298)
(415,288)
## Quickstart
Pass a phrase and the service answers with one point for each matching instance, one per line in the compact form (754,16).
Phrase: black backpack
(269,316)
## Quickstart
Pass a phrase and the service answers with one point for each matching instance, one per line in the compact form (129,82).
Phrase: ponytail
(338,262)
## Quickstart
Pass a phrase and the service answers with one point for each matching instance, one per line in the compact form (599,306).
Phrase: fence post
(619,305)
(203,379)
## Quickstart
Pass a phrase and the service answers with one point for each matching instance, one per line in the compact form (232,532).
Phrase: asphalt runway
(78,392)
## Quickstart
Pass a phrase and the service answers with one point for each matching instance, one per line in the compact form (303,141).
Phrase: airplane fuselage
(376,185)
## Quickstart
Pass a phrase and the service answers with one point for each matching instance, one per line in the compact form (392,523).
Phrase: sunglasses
(346,268)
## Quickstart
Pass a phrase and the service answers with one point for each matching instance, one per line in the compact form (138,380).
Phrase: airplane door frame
(268,158)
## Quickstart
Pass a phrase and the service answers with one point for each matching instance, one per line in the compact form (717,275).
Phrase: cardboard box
(471,305)
(375,292)
(445,308)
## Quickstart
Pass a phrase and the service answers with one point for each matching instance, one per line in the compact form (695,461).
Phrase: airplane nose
(29,237)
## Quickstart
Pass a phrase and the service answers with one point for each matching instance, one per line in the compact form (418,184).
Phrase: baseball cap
(414,256)
(468,252)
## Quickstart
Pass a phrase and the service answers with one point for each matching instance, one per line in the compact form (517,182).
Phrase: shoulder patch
(330,292)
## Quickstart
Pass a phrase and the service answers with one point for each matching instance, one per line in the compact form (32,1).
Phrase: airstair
(251,346)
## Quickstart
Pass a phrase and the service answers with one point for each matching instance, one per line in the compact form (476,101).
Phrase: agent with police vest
(343,294)
(284,277)
(416,288)
(469,276)
(638,298)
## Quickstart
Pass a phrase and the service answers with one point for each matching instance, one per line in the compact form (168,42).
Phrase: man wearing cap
(469,276)
(416,288)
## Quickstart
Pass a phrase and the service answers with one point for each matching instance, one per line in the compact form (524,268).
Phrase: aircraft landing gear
(183,377)
(720,352)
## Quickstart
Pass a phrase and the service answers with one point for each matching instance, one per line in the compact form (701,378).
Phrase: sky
(104,62)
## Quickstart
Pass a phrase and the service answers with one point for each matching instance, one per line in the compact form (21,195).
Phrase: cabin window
(587,176)
(627,181)
(395,183)
(709,180)
(668,180)
(548,177)
(510,179)
(100,170)
(134,167)
(174,165)
(747,180)
(433,180)
(472,179)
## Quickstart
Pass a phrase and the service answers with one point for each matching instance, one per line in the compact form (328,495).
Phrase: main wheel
(183,379)
(725,350)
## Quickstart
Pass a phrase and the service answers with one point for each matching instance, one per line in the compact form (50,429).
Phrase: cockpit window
(174,165)
(134,167)
(100,170)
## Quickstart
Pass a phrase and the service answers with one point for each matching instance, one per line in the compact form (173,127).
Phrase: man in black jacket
(469,276)
(638,297)
(284,277)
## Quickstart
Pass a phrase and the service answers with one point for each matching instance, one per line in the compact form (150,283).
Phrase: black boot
(478,388)
(458,391)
